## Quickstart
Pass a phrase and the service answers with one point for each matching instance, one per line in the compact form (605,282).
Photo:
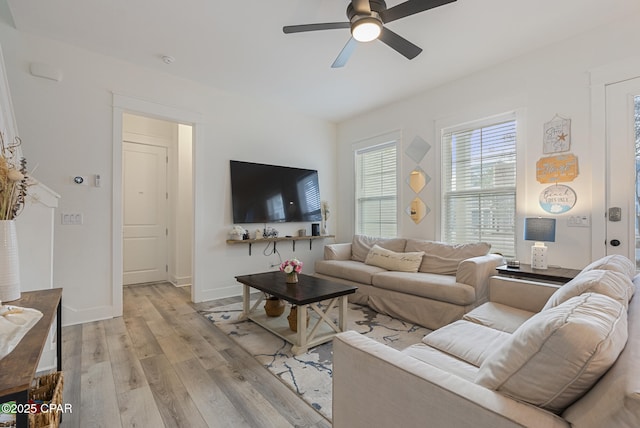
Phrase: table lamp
(540,230)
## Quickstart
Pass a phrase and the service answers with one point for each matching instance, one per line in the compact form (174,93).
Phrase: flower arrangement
(13,180)
(291,266)
(325,210)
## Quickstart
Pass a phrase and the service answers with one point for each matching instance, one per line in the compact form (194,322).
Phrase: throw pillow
(558,354)
(443,258)
(361,245)
(616,285)
(390,260)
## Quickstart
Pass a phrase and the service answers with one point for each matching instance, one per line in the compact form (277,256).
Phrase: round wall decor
(557,199)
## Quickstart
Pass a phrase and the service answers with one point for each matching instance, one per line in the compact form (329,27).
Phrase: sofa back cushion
(391,260)
(362,244)
(615,400)
(443,258)
(558,354)
(614,262)
(610,283)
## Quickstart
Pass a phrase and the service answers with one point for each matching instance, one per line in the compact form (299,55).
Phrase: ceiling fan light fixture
(366,29)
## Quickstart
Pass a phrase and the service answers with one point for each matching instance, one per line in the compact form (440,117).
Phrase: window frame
(460,126)
(385,140)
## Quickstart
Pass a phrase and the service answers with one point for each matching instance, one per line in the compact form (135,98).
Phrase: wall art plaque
(557,199)
(557,169)
(557,135)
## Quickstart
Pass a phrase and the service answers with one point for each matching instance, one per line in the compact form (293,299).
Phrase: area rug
(309,374)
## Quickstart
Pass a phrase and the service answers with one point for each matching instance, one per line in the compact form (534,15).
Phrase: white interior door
(622,168)
(145,213)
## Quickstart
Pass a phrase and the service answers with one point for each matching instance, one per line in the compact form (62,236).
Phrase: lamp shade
(540,229)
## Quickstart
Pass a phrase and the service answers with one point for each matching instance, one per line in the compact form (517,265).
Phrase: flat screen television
(273,194)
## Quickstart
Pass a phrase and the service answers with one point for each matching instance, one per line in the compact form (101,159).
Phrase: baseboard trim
(72,316)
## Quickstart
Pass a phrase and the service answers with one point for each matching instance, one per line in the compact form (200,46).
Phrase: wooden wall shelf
(293,240)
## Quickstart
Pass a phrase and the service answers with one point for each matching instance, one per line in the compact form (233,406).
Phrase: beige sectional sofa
(535,355)
(424,282)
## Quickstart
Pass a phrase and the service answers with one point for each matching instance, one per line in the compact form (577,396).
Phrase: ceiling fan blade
(361,6)
(345,53)
(410,7)
(399,43)
(315,27)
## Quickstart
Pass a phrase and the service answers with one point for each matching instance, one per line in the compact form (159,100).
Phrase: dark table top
(553,273)
(309,289)
(18,368)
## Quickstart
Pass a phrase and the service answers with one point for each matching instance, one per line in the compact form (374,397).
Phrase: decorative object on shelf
(557,135)
(273,306)
(237,233)
(326,212)
(557,199)
(302,232)
(270,232)
(293,318)
(13,190)
(557,169)
(540,230)
(315,229)
(292,268)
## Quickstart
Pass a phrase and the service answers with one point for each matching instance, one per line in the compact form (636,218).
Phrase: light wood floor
(163,364)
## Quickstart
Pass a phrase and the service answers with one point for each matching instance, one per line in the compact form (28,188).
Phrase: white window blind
(479,185)
(376,190)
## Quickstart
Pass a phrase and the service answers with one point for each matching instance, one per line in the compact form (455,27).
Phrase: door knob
(614,242)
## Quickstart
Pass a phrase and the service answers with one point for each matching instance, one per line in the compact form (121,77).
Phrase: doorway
(623,169)
(157,201)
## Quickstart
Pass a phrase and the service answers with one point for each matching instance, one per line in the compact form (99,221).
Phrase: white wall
(67,129)
(554,80)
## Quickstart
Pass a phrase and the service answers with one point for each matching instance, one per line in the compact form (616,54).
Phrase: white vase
(9,265)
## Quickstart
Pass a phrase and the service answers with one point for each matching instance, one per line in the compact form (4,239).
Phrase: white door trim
(124,104)
(601,77)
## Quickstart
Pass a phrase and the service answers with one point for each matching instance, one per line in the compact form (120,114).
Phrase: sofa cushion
(441,360)
(498,316)
(610,283)
(558,354)
(615,400)
(361,245)
(390,260)
(443,258)
(347,269)
(467,341)
(614,262)
(429,285)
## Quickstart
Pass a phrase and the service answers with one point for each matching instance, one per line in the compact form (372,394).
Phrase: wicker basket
(47,388)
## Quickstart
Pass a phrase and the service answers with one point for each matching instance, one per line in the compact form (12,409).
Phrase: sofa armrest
(376,385)
(519,293)
(476,272)
(337,251)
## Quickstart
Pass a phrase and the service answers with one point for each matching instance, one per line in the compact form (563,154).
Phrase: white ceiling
(239,46)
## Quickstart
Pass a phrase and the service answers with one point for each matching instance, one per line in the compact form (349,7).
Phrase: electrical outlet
(72,219)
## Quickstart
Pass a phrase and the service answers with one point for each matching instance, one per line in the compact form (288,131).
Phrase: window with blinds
(479,185)
(376,190)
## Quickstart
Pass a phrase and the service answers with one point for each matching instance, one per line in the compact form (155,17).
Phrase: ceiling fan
(366,21)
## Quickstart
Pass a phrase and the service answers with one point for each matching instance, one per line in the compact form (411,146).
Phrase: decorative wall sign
(557,199)
(557,135)
(557,169)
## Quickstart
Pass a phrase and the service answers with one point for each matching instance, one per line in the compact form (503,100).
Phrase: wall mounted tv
(272,194)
